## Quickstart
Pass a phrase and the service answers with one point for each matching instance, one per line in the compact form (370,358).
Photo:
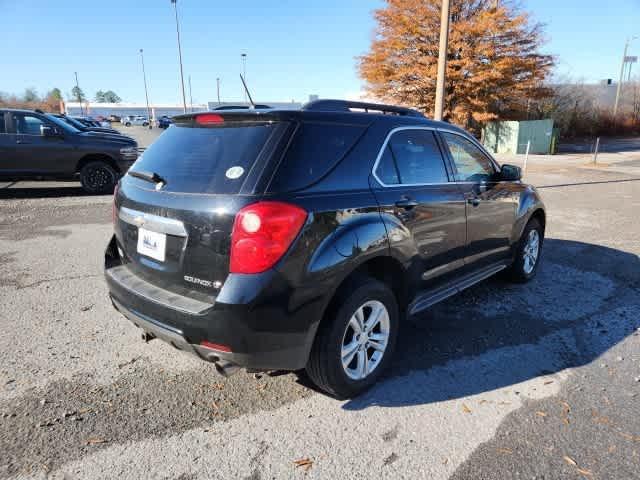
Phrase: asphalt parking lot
(503,381)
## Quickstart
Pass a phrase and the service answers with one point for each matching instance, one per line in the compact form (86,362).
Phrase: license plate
(152,244)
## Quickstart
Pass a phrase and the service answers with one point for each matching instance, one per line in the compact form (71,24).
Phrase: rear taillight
(114,209)
(262,233)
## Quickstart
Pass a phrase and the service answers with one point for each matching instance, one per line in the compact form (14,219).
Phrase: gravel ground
(503,381)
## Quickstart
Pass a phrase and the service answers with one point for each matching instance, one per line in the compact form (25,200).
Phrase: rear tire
(350,326)
(528,252)
(128,124)
(98,178)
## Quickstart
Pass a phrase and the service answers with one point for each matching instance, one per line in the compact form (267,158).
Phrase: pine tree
(494,66)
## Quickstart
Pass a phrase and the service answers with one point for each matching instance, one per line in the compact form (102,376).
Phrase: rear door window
(26,124)
(205,159)
(412,157)
(3,127)
(314,150)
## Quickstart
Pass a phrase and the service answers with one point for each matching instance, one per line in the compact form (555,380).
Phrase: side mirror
(510,173)
(47,131)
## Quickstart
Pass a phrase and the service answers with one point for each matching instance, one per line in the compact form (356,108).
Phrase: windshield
(62,124)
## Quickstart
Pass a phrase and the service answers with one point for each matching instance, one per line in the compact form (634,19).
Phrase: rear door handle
(406,203)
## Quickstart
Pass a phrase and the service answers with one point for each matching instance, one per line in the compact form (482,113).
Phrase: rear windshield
(205,159)
(315,149)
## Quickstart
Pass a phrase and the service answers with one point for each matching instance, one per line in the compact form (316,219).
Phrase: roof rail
(348,106)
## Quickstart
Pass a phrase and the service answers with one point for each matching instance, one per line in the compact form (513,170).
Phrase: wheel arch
(97,157)
(384,268)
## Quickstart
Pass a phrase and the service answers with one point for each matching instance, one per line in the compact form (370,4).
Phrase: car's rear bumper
(263,333)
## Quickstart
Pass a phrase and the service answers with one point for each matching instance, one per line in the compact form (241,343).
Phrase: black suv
(287,240)
(39,145)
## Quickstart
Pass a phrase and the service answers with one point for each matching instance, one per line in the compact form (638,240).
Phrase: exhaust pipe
(226,369)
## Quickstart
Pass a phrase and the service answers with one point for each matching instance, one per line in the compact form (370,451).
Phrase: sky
(294,48)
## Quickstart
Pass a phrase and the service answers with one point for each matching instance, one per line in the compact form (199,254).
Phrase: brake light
(262,233)
(114,209)
(215,346)
(209,119)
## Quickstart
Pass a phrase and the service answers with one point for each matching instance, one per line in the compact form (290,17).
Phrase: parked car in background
(36,145)
(164,121)
(83,125)
(114,118)
(136,120)
(288,240)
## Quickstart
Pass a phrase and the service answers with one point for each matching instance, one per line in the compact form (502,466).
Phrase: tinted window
(199,159)
(472,165)
(3,128)
(314,150)
(386,170)
(26,124)
(415,157)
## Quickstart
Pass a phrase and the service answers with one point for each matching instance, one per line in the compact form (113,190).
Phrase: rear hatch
(175,209)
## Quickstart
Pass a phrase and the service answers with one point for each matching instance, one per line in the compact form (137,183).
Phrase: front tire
(356,341)
(98,178)
(528,253)
(128,124)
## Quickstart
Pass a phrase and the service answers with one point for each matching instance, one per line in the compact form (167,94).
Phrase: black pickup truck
(35,145)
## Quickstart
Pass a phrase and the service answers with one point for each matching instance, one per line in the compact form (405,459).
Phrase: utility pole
(619,89)
(442,60)
(78,95)
(184,99)
(190,94)
(218,88)
(146,92)
(244,72)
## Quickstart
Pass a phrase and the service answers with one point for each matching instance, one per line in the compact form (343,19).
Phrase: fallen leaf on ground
(541,414)
(548,382)
(304,463)
(96,441)
(570,461)
(215,405)
(565,421)
(584,471)
(465,409)
(505,450)
(567,407)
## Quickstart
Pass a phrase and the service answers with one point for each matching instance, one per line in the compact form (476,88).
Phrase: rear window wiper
(152,177)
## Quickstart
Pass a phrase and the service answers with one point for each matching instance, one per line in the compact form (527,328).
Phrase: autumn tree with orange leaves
(494,66)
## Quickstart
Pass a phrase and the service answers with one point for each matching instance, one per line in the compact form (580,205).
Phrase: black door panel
(490,205)
(424,213)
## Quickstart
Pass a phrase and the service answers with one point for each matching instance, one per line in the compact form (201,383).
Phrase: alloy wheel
(365,340)
(531,251)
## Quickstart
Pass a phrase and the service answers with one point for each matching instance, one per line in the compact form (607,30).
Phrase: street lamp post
(218,88)
(190,95)
(146,92)
(184,98)
(244,71)
(442,60)
(619,88)
(78,96)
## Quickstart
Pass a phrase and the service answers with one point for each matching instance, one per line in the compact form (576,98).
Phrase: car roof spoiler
(350,106)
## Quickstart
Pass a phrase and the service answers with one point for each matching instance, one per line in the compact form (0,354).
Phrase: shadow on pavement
(12,192)
(584,300)
(597,182)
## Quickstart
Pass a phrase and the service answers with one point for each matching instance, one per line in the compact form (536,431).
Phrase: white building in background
(157,110)
(121,109)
